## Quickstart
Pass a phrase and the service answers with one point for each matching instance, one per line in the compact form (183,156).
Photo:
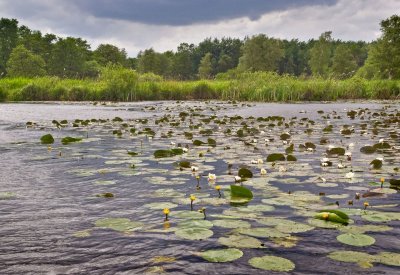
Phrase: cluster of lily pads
(252,183)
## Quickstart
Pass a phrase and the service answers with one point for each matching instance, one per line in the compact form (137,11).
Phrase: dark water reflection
(37,226)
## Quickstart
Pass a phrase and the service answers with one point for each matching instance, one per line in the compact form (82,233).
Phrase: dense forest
(26,53)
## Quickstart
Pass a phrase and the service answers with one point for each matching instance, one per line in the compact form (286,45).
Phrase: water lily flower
(325,216)
(185,150)
(323,179)
(341,165)
(381,140)
(237,178)
(218,188)
(310,149)
(166,212)
(366,204)
(351,145)
(260,161)
(350,175)
(192,199)
(255,140)
(253,161)
(284,142)
(324,164)
(379,158)
(212,177)
(382,181)
(325,159)
(262,132)
(194,168)
(203,210)
(173,143)
(282,169)
(263,172)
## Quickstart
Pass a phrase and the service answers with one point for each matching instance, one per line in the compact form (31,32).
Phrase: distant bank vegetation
(259,68)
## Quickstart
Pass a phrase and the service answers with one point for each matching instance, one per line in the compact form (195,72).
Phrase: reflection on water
(52,192)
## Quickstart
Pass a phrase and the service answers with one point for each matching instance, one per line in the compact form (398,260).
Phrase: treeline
(28,53)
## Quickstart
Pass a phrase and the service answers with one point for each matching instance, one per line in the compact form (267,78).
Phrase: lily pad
(196,233)
(240,194)
(160,205)
(221,255)
(356,239)
(240,241)
(47,139)
(245,173)
(68,140)
(119,224)
(272,263)
(262,232)
(231,223)
(276,157)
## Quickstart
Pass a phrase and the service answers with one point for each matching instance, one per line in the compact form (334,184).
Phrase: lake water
(54,220)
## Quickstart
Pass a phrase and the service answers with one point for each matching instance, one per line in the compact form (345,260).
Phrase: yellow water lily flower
(166,211)
(192,197)
(325,216)
(218,187)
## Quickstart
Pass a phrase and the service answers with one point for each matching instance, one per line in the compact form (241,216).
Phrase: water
(53,196)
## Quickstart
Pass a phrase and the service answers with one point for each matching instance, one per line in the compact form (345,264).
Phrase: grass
(262,87)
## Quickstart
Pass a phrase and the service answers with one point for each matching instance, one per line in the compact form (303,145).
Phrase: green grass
(263,87)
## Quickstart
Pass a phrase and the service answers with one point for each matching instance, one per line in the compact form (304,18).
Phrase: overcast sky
(163,24)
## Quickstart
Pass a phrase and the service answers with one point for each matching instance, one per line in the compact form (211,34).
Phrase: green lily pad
(367,150)
(388,258)
(240,194)
(351,257)
(160,205)
(276,157)
(47,139)
(195,224)
(240,241)
(196,233)
(231,223)
(356,239)
(365,228)
(245,173)
(293,227)
(221,255)
(119,224)
(68,140)
(272,263)
(262,232)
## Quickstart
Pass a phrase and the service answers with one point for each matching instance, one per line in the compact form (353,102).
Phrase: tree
(8,40)
(68,57)
(206,68)
(106,53)
(344,64)
(320,55)
(384,55)
(150,61)
(24,63)
(261,53)
(182,66)
(225,63)
(91,69)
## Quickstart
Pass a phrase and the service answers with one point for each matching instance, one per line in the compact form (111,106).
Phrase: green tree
(206,68)
(24,63)
(91,69)
(225,63)
(182,66)
(320,55)
(106,53)
(384,55)
(261,53)
(8,40)
(150,61)
(344,64)
(68,57)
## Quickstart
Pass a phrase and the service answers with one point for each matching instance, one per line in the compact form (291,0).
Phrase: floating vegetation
(272,263)
(356,239)
(47,139)
(68,140)
(276,157)
(168,153)
(221,255)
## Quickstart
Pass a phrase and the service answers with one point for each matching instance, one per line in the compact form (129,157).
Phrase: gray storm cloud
(187,12)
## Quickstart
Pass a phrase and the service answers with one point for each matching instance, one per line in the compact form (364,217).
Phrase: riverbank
(260,87)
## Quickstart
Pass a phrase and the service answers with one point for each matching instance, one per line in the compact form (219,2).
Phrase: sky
(163,24)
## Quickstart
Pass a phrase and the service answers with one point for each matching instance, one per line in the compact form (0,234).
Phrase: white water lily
(284,142)
(310,150)
(323,179)
(253,161)
(379,158)
(173,143)
(282,169)
(262,132)
(263,171)
(341,166)
(349,175)
(351,144)
(194,168)
(237,178)
(324,164)
(185,150)
(348,154)
(255,140)
(266,140)
(381,140)
(324,160)
(260,161)
(212,177)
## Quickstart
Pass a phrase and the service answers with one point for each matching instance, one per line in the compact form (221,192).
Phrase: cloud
(188,12)
(348,19)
